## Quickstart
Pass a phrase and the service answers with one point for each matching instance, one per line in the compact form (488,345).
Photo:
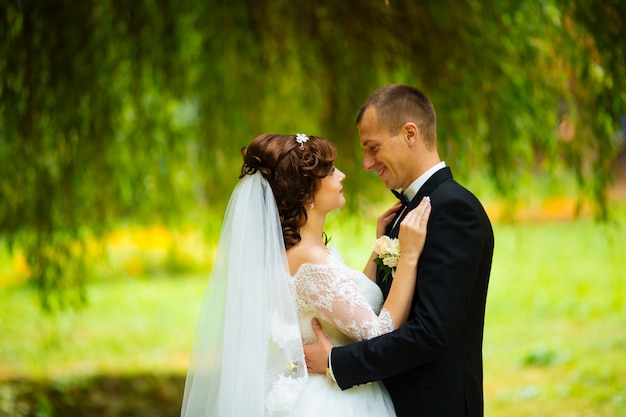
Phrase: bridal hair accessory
(301,138)
(388,251)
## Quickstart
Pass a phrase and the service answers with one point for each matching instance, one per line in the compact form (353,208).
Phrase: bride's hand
(413,230)
(386,218)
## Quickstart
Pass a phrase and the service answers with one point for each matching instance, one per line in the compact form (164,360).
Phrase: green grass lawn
(555,333)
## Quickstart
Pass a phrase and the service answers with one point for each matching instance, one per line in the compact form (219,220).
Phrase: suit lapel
(430,185)
(427,189)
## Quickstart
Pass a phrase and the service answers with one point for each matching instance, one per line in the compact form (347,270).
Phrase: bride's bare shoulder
(302,253)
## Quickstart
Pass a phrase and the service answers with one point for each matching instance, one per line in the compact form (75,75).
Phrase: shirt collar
(412,189)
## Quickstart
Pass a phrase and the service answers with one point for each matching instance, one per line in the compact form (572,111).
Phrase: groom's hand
(316,354)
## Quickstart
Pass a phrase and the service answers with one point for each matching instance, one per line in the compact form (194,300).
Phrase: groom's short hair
(397,104)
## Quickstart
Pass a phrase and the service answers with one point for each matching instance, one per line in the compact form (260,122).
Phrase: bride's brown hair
(293,173)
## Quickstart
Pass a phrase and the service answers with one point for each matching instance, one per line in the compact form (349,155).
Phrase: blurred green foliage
(554,340)
(136,111)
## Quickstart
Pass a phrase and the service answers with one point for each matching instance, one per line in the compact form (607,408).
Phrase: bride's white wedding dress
(247,358)
(348,305)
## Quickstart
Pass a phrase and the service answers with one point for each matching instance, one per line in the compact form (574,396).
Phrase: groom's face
(384,153)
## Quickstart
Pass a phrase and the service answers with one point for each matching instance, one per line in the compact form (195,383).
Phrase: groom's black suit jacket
(432,365)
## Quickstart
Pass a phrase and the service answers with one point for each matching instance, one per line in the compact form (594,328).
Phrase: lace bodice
(346,302)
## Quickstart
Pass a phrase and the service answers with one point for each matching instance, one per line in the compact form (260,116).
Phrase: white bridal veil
(247,358)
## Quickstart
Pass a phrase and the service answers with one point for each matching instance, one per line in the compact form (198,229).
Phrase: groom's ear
(411,133)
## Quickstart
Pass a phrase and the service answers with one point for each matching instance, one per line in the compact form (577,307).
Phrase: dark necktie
(401,196)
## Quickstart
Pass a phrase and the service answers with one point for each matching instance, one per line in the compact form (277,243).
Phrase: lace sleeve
(337,299)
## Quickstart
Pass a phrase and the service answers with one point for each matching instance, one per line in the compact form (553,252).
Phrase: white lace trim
(288,377)
(285,335)
(284,393)
(336,292)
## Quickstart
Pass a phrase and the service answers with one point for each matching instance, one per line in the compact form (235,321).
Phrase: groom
(431,365)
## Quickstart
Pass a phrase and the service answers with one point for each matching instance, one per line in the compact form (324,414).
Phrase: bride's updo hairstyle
(294,172)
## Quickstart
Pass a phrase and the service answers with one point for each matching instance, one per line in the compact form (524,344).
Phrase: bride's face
(330,194)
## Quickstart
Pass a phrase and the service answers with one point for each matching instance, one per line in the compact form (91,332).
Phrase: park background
(121,125)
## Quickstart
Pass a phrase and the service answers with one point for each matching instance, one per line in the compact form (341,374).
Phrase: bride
(273,273)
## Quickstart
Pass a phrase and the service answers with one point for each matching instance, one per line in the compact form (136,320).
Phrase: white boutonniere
(388,251)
